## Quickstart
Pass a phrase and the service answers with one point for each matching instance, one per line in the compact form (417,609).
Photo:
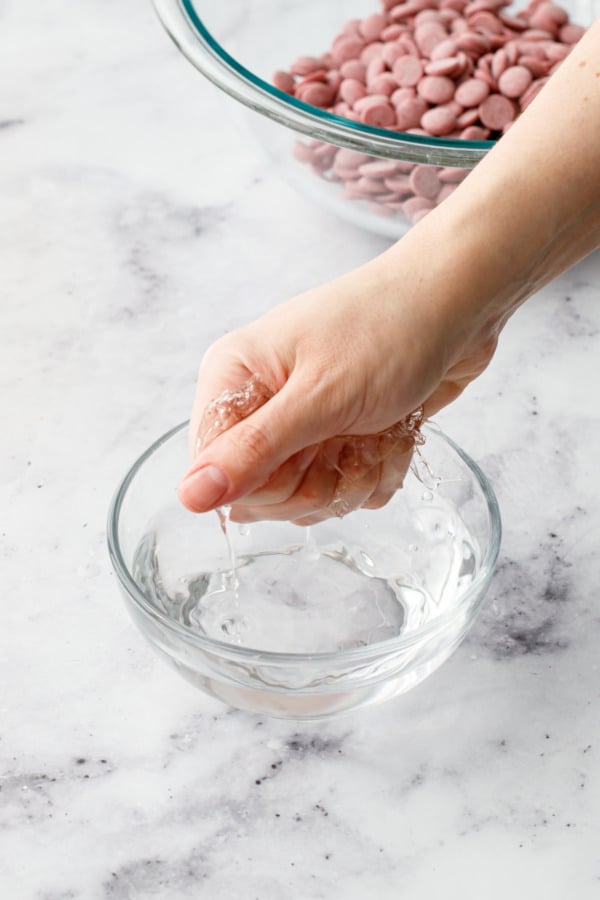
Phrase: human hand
(324,396)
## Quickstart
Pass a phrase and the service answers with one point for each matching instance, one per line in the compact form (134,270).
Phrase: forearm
(528,211)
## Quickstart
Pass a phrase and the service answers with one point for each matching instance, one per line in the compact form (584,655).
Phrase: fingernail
(202,489)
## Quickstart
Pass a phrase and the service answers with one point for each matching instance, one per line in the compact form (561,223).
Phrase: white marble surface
(136,227)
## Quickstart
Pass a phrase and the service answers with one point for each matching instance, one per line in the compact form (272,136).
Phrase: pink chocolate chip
(370,185)
(537,67)
(379,168)
(352,68)
(284,81)
(415,205)
(448,65)
(384,84)
(316,93)
(316,75)
(346,48)
(428,36)
(372,26)
(334,79)
(471,92)
(408,70)
(425,182)
(484,75)
(496,111)
(485,21)
(467,118)
(304,65)
(475,133)
(403,93)
(302,152)
(514,81)
(391,33)
(452,174)
(444,49)
(371,52)
(376,110)
(438,121)
(436,88)
(548,17)
(473,43)
(352,27)
(391,52)
(400,184)
(351,90)
(557,52)
(409,113)
(374,68)
(499,63)
(350,159)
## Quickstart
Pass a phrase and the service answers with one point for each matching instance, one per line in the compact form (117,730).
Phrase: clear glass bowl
(238,45)
(363,610)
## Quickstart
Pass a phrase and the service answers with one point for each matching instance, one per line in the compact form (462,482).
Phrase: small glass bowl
(161,554)
(240,45)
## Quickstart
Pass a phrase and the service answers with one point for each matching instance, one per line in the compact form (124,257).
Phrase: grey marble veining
(135,232)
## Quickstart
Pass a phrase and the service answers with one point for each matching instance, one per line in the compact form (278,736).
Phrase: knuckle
(253,443)
(214,354)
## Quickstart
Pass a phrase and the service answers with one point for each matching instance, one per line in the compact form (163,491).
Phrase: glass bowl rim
(191,36)
(376,650)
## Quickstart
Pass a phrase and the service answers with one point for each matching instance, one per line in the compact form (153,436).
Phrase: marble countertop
(136,228)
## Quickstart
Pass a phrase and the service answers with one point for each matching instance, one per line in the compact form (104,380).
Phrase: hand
(343,365)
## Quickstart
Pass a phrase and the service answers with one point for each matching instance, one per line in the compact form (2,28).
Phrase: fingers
(325,479)
(243,457)
(347,473)
(315,492)
(284,482)
(262,453)
(220,371)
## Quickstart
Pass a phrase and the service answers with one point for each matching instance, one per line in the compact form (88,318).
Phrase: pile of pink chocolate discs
(461,69)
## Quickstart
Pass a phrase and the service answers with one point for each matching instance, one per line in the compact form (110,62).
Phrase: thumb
(244,457)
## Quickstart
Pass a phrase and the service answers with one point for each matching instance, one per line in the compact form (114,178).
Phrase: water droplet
(367,559)
(427,496)
(234,629)
(312,552)
(227,626)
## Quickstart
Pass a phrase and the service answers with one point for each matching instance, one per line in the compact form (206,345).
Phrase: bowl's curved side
(198,45)
(468,605)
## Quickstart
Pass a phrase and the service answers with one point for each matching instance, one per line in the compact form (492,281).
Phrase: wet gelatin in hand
(231,407)
(351,456)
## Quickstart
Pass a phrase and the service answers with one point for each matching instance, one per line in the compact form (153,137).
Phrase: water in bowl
(276,587)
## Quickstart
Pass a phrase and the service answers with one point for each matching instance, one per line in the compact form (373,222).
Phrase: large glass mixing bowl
(239,44)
